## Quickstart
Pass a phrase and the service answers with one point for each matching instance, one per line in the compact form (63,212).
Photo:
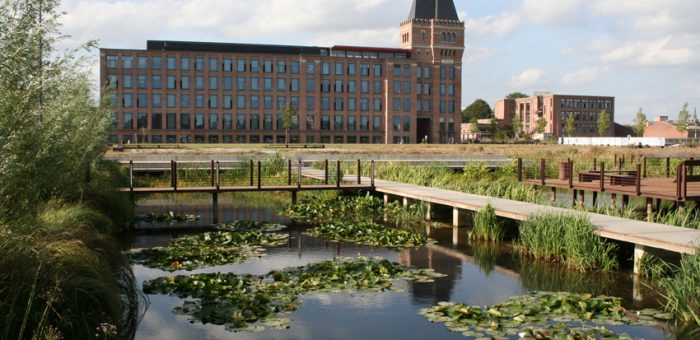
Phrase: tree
(603,123)
(569,127)
(516,95)
(683,119)
(479,109)
(474,126)
(493,126)
(289,113)
(640,123)
(517,127)
(541,125)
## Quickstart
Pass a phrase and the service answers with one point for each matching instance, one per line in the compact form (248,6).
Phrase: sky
(646,53)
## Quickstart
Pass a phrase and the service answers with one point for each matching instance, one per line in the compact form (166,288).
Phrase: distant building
(204,92)
(484,133)
(662,127)
(555,109)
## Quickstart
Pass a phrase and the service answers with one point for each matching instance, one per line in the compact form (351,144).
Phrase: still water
(477,274)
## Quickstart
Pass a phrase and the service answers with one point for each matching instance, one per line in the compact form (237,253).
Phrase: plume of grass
(487,226)
(566,238)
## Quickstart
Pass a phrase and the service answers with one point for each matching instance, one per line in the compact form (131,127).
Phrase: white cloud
(527,78)
(474,54)
(499,25)
(584,75)
(554,12)
(650,53)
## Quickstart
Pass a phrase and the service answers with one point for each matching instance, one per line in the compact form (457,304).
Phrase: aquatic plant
(370,233)
(570,239)
(208,249)
(169,217)
(682,291)
(241,302)
(248,225)
(487,226)
(654,268)
(533,314)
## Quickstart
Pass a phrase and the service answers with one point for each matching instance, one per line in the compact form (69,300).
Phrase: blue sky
(646,53)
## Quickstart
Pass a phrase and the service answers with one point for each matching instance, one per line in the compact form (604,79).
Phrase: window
(364,104)
(199,83)
(213,83)
(364,86)
(267,102)
(254,122)
(127,60)
(240,65)
(240,121)
(339,69)
(295,67)
(228,102)
(338,123)
(199,121)
(294,100)
(325,68)
(171,82)
(352,104)
(213,64)
(310,85)
(156,63)
(185,100)
(228,65)
(240,83)
(112,81)
(310,122)
(352,86)
(199,63)
(184,63)
(406,87)
(213,121)
(228,83)
(310,67)
(141,81)
(281,102)
(338,86)
(397,123)
(254,102)
(406,105)
(407,71)
(171,101)
(406,123)
(142,100)
(352,69)
(280,122)
(267,86)
(325,103)
(281,66)
(170,121)
(281,84)
(227,122)
(294,85)
(325,122)
(338,104)
(185,83)
(157,83)
(171,63)
(142,121)
(377,123)
(157,101)
(364,69)
(352,123)
(255,66)
(364,123)
(267,66)
(377,70)
(426,72)
(199,101)
(267,121)
(255,83)
(185,121)
(396,104)
(310,103)
(157,121)
(112,61)
(397,86)
(377,104)
(325,86)
(240,102)
(142,62)
(127,121)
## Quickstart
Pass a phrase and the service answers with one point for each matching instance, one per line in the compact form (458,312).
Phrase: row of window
(254,139)
(242,121)
(581,116)
(269,66)
(582,129)
(586,104)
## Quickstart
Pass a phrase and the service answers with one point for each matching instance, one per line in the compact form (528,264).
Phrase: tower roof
(433,9)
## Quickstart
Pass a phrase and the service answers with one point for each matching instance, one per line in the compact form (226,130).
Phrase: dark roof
(158,45)
(429,9)
(370,49)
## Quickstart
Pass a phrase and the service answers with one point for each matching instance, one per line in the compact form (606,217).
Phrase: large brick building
(236,93)
(555,109)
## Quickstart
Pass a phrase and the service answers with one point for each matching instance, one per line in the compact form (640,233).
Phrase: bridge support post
(554,194)
(625,201)
(639,251)
(455,236)
(406,202)
(574,198)
(294,197)
(455,217)
(582,199)
(595,199)
(215,207)
(613,201)
(429,213)
(650,209)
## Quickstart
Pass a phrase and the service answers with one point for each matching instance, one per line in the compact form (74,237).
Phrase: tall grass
(487,226)
(569,239)
(682,291)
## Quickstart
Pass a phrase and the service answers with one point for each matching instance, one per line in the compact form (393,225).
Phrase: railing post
(359,172)
(639,180)
(668,167)
(684,172)
(218,175)
(259,174)
(678,182)
(212,173)
(372,175)
(602,176)
(173,175)
(289,172)
(645,167)
(571,174)
(542,172)
(616,161)
(595,164)
(325,169)
(251,173)
(337,173)
(299,175)
(131,176)
(520,169)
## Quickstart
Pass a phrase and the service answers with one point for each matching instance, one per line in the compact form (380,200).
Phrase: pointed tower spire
(433,9)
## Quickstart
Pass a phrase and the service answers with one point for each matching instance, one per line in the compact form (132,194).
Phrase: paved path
(661,236)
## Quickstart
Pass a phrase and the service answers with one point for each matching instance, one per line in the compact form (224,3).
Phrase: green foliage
(690,218)
(517,124)
(208,249)
(370,234)
(640,123)
(477,172)
(169,217)
(531,315)
(570,127)
(566,238)
(653,267)
(603,123)
(541,125)
(479,109)
(289,113)
(516,95)
(683,119)
(682,291)
(487,226)
(239,302)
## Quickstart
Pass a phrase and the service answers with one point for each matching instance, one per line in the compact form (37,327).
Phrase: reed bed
(569,239)
(487,226)
(682,293)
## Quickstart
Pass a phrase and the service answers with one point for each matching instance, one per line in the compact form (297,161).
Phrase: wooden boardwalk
(656,188)
(640,233)
(254,188)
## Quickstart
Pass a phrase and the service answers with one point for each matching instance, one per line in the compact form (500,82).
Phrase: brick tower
(436,35)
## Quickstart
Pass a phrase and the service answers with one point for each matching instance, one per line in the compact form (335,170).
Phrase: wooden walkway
(656,188)
(640,233)
(254,188)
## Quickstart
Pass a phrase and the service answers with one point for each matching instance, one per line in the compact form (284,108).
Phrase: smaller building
(662,127)
(483,133)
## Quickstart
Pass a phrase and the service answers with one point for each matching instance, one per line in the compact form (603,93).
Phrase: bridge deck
(654,235)
(659,188)
(213,189)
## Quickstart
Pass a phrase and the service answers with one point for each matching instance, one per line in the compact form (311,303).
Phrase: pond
(477,274)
